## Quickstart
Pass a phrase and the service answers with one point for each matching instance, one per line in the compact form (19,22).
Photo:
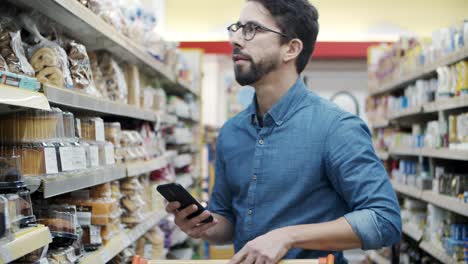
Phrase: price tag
(95,234)
(50,160)
(66,158)
(79,158)
(109,154)
(99,126)
(94,156)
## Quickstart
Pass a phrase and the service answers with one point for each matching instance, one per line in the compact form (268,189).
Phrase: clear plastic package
(61,220)
(132,203)
(63,256)
(101,191)
(5,221)
(25,208)
(109,11)
(36,159)
(131,184)
(3,64)
(69,125)
(11,48)
(114,78)
(113,132)
(10,175)
(106,154)
(133,218)
(102,211)
(48,59)
(80,69)
(14,212)
(92,129)
(97,75)
(91,237)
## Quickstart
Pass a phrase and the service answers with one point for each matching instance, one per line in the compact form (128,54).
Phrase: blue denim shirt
(311,162)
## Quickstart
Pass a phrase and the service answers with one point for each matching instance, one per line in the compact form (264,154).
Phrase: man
(296,177)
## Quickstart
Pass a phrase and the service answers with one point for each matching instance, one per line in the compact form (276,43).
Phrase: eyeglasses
(249,30)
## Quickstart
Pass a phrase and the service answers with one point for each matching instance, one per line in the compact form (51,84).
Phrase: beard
(254,71)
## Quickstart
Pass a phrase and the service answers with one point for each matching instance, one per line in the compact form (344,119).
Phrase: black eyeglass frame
(256,27)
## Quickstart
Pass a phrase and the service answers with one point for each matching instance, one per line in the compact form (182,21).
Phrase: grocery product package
(99,81)
(48,59)
(80,69)
(114,78)
(110,12)
(11,47)
(133,80)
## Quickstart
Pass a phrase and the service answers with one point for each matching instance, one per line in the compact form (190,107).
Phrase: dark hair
(296,19)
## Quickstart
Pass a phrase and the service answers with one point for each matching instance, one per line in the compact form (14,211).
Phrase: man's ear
(292,50)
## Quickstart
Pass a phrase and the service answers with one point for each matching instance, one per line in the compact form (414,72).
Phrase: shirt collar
(284,108)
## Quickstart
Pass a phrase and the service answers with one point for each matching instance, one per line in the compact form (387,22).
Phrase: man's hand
(267,249)
(192,227)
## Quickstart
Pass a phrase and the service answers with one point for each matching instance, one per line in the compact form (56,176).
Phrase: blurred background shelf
(122,241)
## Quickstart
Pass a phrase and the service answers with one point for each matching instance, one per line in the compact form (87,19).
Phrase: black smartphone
(174,192)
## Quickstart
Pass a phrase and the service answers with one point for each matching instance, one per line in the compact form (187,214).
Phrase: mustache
(237,51)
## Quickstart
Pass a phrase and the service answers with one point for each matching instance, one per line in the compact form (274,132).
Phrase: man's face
(255,58)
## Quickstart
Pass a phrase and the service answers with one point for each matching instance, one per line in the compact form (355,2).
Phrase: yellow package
(462,83)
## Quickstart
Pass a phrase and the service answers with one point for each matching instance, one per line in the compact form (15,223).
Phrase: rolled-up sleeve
(359,177)
(221,200)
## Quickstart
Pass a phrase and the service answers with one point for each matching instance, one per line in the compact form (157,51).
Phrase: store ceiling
(340,20)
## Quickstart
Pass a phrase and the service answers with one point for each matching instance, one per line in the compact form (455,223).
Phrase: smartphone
(174,192)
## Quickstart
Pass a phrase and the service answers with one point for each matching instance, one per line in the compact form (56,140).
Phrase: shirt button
(254,178)
(249,212)
(261,142)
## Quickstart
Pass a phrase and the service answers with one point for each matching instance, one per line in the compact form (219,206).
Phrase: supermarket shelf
(407,112)
(68,182)
(436,252)
(405,151)
(122,241)
(379,124)
(445,153)
(377,258)
(89,29)
(407,190)
(12,96)
(446,202)
(169,119)
(186,86)
(449,203)
(25,242)
(412,231)
(137,168)
(82,101)
(447,104)
(421,73)
(442,153)
(188,120)
(383,155)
